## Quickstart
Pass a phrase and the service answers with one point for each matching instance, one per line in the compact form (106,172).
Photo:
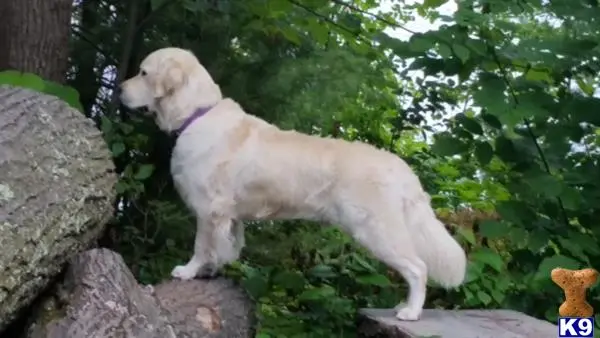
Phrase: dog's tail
(445,259)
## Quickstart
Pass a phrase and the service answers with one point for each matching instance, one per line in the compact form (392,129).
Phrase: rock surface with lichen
(100,298)
(56,192)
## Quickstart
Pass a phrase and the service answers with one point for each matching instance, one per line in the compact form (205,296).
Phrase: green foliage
(312,282)
(521,89)
(34,82)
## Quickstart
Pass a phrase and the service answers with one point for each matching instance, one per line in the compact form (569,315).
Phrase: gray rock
(100,298)
(56,192)
(454,324)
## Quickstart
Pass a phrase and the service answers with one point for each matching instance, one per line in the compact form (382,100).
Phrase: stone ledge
(381,323)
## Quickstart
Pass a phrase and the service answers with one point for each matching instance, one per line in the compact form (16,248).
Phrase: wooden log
(382,323)
(56,192)
(100,298)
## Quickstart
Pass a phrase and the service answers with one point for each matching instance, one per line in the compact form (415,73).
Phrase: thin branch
(373,15)
(529,128)
(79,32)
(330,21)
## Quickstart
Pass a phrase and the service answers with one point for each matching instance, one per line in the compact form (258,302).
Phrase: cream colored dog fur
(230,166)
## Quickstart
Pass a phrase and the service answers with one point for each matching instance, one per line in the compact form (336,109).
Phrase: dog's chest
(191,168)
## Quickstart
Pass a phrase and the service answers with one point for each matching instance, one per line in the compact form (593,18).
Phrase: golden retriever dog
(230,166)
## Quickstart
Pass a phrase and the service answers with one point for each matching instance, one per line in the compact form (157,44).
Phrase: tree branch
(373,15)
(330,21)
(79,32)
(528,127)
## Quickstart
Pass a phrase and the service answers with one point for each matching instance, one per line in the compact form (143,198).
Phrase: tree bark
(34,37)
(56,192)
(100,298)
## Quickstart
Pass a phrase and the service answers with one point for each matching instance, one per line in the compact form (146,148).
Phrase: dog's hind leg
(230,245)
(394,249)
(239,240)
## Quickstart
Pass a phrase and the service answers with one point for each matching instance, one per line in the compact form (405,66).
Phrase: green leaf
(291,35)
(498,296)
(571,198)
(467,234)
(505,149)
(586,242)
(374,279)
(322,271)
(318,293)
(256,286)
(277,7)
(126,128)
(444,51)
(68,94)
(556,261)
(71,96)
(461,52)
(19,79)
(484,153)
(474,271)
(491,120)
(106,125)
(492,93)
(144,171)
(545,184)
(493,229)
(489,258)
(318,31)
(539,76)
(469,124)
(418,43)
(538,239)
(10,77)
(571,247)
(117,148)
(121,187)
(585,87)
(433,3)
(517,236)
(363,263)
(351,21)
(515,212)
(447,145)
(290,280)
(484,297)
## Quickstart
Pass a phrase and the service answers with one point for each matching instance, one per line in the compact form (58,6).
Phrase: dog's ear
(169,78)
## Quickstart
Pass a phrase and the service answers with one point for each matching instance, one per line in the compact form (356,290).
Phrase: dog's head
(172,83)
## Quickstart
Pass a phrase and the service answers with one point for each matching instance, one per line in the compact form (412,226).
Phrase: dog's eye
(143,73)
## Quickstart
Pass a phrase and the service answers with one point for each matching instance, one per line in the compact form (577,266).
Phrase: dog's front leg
(203,249)
(213,247)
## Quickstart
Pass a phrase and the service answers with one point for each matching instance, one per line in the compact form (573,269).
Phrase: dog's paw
(208,270)
(407,314)
(184,272)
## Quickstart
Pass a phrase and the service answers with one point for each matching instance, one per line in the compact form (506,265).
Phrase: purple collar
(197,114)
